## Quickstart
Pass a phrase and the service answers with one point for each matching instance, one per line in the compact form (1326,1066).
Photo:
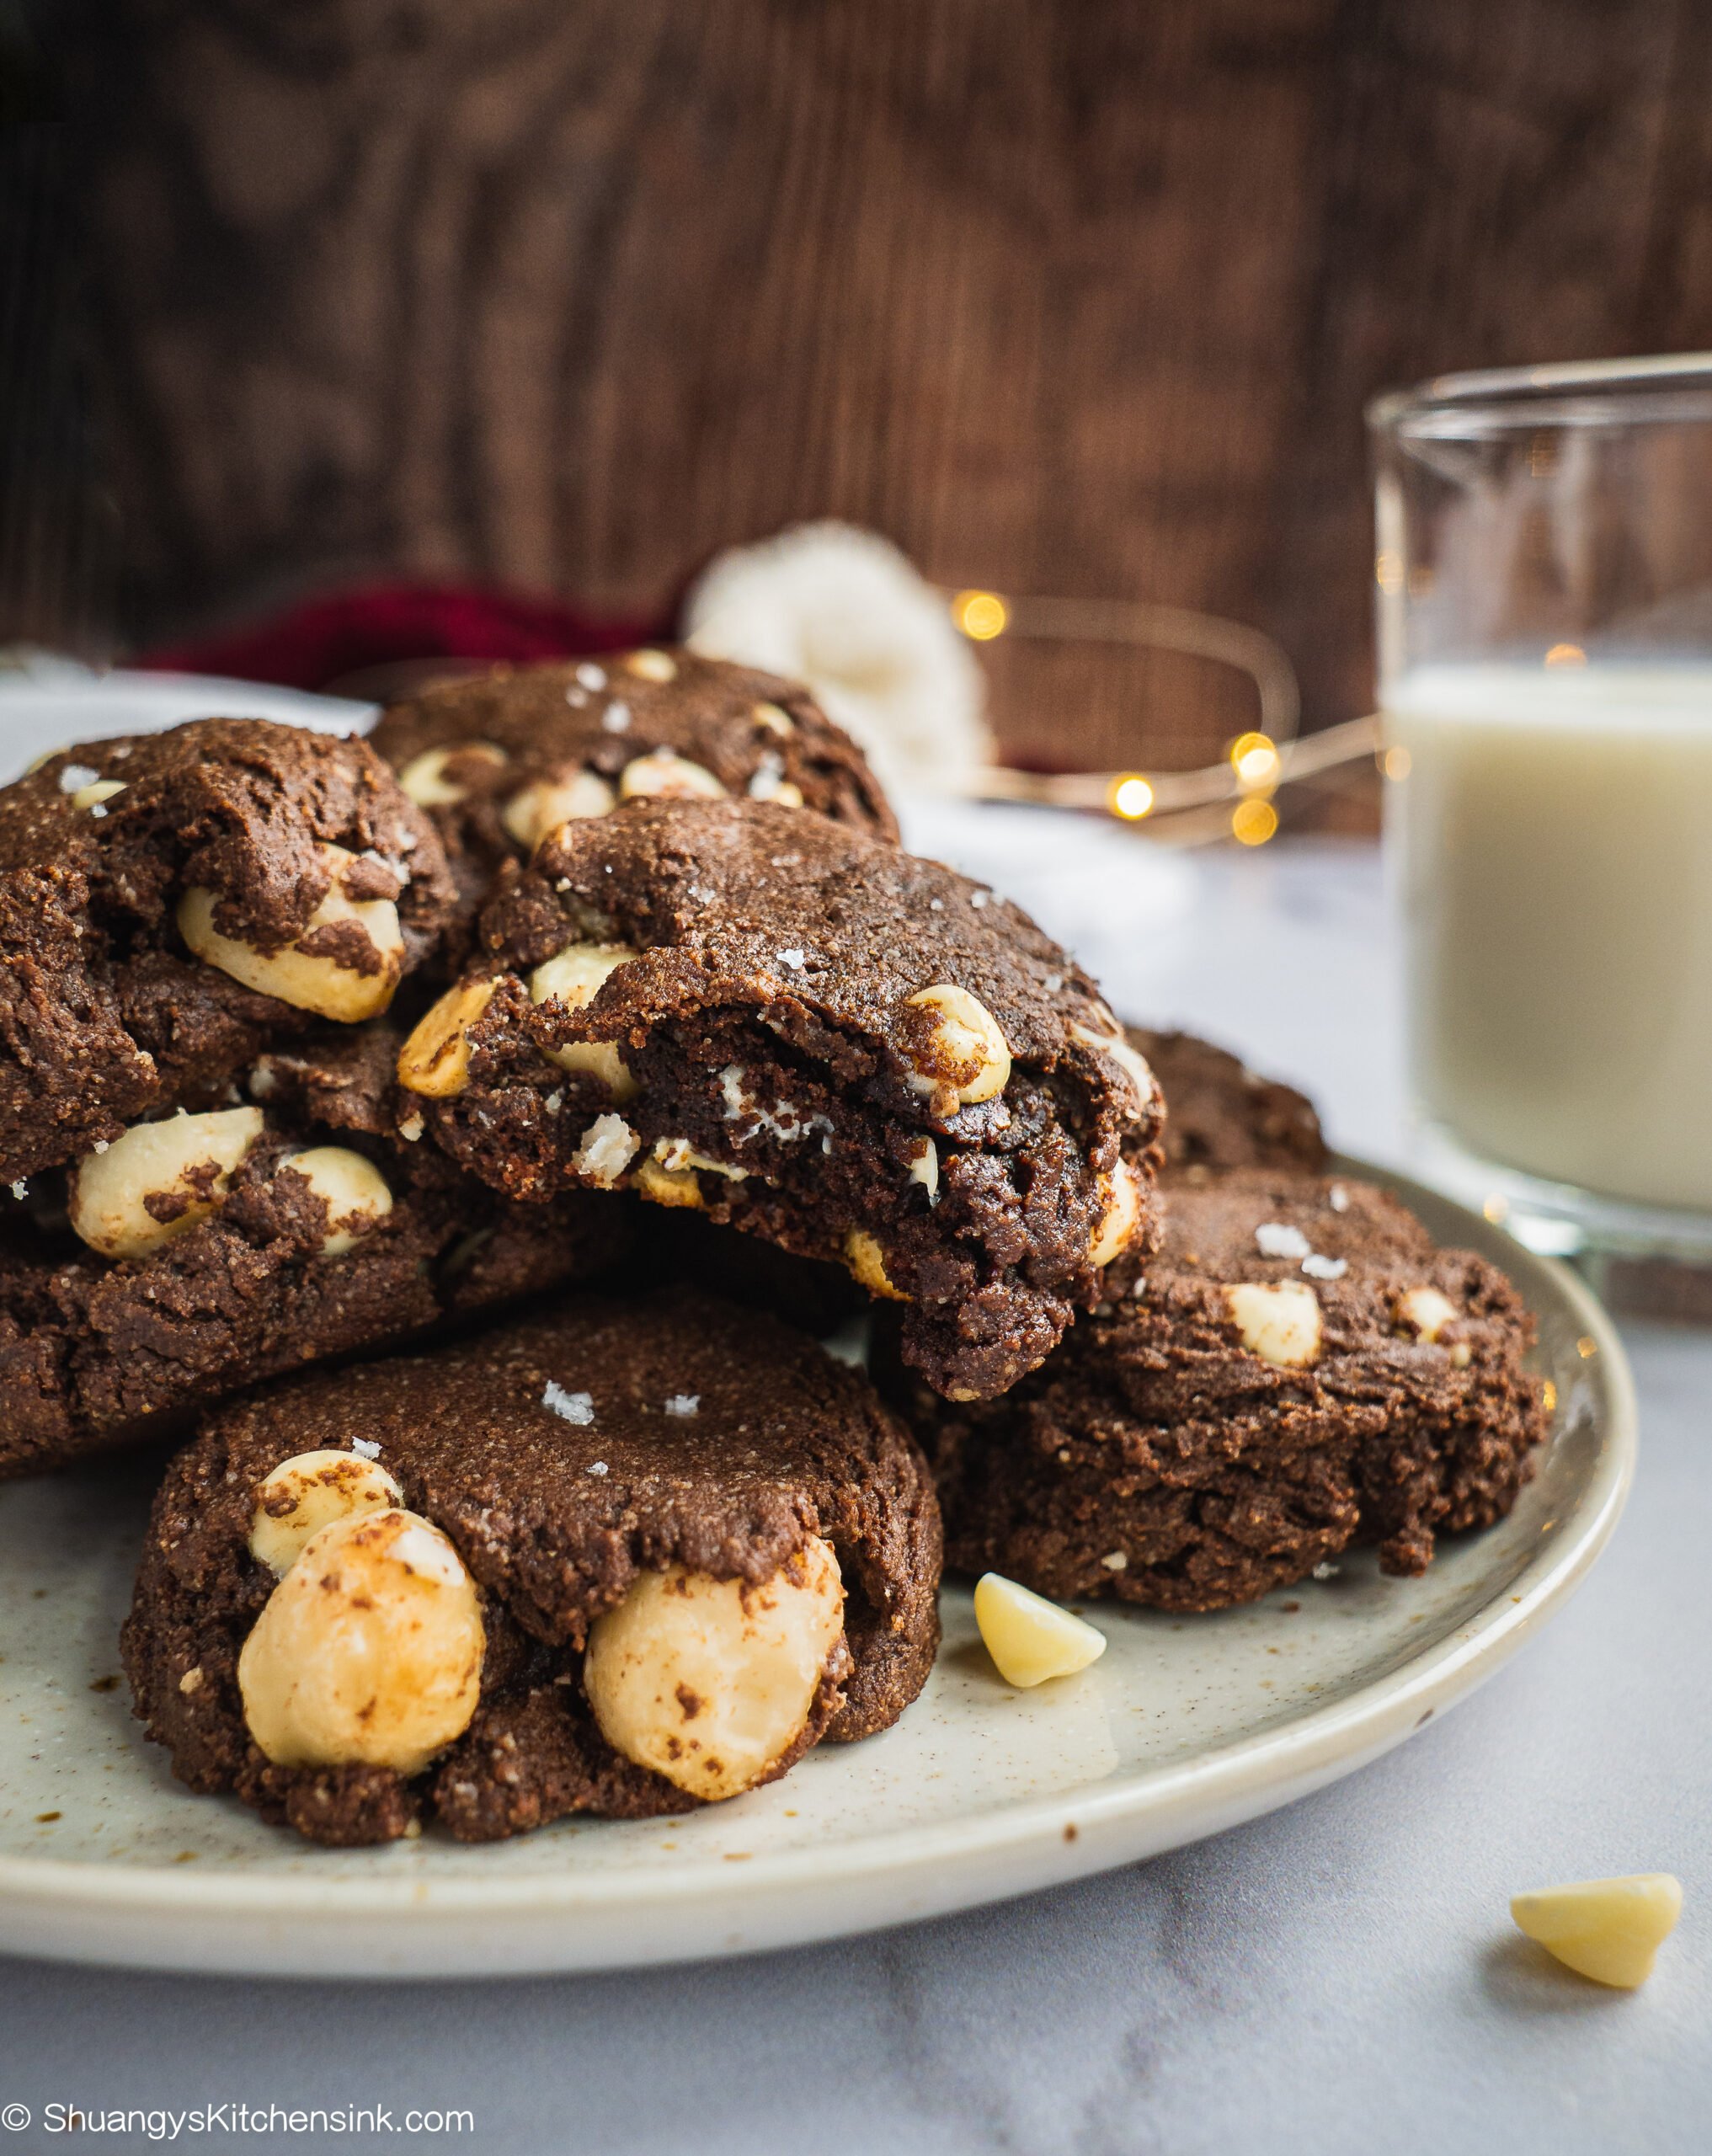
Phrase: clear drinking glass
(1544,574)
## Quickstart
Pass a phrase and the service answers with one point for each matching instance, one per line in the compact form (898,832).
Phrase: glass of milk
(1544,591)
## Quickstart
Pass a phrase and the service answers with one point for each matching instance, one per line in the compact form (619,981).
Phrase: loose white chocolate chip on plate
(1279,1323)
(108,1200)
(574,977)
(670,775)
(435,1060)
(867,1264)
(424,777)
(308,980)
(530,814)
(972,1056)
(1029,1638)
(352,1188)
(1609,1929)
(368,1652)
(1121,1219)
(652,666)
(711,1682)
(304,1494)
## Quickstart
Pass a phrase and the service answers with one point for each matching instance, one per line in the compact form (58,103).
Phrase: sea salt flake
(572,1407)
(366,1448)
(20,1190)
(1115,1561)
(616,718)
(1337,1198)
(1324,1268)
(590,676)
(76,776)
(596,1467)
(683,1404)
(978,898)
(1327,1572)
(795,959)
(1279,1239)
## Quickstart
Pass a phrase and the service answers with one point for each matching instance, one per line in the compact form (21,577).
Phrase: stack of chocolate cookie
(607,986)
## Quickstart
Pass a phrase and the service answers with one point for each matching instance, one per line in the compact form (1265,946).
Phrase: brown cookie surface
(807,1034)
(292,858)
(1220,1115)
(572,1462)
(498,759)
(1193,1447)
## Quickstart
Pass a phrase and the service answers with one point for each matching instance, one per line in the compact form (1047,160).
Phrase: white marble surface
(1340,1976)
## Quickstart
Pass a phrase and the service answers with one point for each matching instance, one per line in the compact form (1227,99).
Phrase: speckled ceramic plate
(1184,1727)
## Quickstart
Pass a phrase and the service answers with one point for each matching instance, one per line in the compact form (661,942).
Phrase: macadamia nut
(1279,1323)
(1609,1929)
(159,1179)
(352,1188)
(428,780)
(710,1682)
(1029,1638)
(304,1494)
(971,1056)
(1122,1217)
(573,976)
(542,808)
(867,1264)
(671,776)
(435,1060)
(608,1147)
(369,1650)
(308,980)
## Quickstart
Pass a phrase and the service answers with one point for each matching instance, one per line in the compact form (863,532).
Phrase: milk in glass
(1555,829)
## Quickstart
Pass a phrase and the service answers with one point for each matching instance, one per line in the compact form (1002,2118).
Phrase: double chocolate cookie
(1220,1115)
(171,902)
(626,1559)
(802,1032)
(497,761)
(1300,1368)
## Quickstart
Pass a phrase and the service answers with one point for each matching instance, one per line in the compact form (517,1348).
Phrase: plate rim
(90,1911)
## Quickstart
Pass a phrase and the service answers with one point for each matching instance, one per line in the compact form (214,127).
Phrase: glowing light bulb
(1132,797)
(980,614)
(1254,757)
(1252,822)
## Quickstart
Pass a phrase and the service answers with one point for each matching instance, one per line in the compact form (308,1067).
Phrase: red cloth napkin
(323,641)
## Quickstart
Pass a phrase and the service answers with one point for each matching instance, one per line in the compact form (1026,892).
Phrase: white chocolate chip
(925,1169)
(369,1652)
(652,666)
(530,814)
(1426,1311)
(1279,1323)
(92,796)
(671,776)
(304,1494)
(867,1264)
(308,980)
(1609,1929)
(1029,1638)
(1115,1560)
(1122,1217)
(352,1188)
(107,1205)
(768,782)
(424,779)
(574,977)
(711,1682)
(774,719)
(435,1060)
(608,1148)
(971,1056)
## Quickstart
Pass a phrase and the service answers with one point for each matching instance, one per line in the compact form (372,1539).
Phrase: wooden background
(1080,298)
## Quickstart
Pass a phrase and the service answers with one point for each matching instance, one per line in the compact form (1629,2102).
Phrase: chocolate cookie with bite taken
(1300,1368)
(499,760)
(807,1034)
(626,1559)
(169,902)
